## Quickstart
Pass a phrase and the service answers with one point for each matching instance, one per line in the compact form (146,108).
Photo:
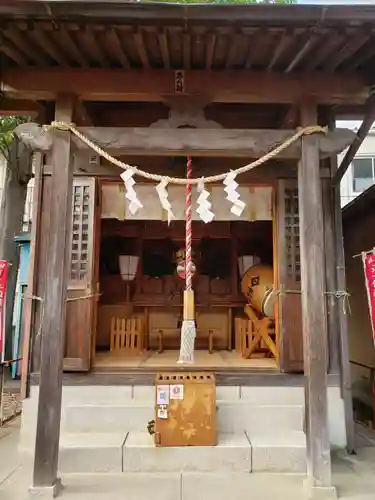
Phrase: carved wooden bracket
(186,112)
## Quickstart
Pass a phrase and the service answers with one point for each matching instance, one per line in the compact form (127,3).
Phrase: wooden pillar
(45,481)
(343,334)
(314,313)
(30,304)
(331,283)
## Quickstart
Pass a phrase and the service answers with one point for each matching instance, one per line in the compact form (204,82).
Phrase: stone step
(175,486)
(232,454)
(232,417)
(91,452)
(278,452)
(119,395)
(136,452)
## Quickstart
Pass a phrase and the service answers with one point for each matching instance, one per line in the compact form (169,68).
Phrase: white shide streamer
(131,195)
(162,191)
(204,205)
(233,195)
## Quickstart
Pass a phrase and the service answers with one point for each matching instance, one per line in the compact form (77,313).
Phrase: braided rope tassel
(188,330)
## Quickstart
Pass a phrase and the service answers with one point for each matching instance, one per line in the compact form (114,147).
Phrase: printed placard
(177,392)
(162,394)
(162,413)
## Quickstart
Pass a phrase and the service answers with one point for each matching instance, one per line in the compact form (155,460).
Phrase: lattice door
(289,277)
(81,305)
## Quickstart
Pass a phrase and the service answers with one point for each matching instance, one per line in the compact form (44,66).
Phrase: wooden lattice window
(292,235)
(81,232)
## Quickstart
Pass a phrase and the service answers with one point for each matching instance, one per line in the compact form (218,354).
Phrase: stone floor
(354,477)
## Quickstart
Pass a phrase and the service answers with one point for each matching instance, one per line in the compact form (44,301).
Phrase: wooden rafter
(142,52)
(163,43)
(67,39)
(210,49)
(306,47)
(347,51)
(327,46)
(282,45)
(47,44)
(359,138)
(26,46)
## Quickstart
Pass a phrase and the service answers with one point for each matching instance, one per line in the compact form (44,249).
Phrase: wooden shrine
(152,84)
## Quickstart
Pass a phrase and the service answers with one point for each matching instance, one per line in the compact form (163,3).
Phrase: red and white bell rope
(188,330)
(188,235)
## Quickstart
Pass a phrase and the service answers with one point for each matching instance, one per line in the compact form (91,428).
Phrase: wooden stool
(126,336)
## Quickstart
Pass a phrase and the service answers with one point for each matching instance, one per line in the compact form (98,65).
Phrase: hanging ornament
(204,205)
(233,195)
(161,189)
(130,194)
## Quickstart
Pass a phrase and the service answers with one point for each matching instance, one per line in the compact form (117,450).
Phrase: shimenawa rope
(70,127)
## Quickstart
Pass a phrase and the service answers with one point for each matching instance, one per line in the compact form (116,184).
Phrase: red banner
(4,267)
(369,269)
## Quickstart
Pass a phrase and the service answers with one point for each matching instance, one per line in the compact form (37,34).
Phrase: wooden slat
(313,308)
(51,365)
(150,85)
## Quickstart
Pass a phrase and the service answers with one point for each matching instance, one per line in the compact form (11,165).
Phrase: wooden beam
(206,142)
(45,480)
(356,144)
(150,85)
(313,308)
(20,107)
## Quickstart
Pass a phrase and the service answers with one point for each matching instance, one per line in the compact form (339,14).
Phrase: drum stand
(262,330)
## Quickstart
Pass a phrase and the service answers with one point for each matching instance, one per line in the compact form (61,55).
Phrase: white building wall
(367,149)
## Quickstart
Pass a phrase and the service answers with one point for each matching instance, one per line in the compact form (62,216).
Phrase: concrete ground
(353,476)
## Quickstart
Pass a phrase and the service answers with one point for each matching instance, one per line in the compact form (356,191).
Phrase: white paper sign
(177,392)
(162,394)
(162,413)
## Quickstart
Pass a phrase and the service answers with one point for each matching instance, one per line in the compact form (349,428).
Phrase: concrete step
(232,454)
(232,417)
(108,418)
(136,452)
(278,452)
(91,452)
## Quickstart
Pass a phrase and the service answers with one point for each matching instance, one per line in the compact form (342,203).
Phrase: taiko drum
(257,287)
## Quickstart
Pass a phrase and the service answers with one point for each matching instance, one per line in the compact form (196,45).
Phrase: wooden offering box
(185,409)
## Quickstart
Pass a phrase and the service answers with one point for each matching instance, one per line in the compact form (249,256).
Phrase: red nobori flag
(368,260)
(4,267)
